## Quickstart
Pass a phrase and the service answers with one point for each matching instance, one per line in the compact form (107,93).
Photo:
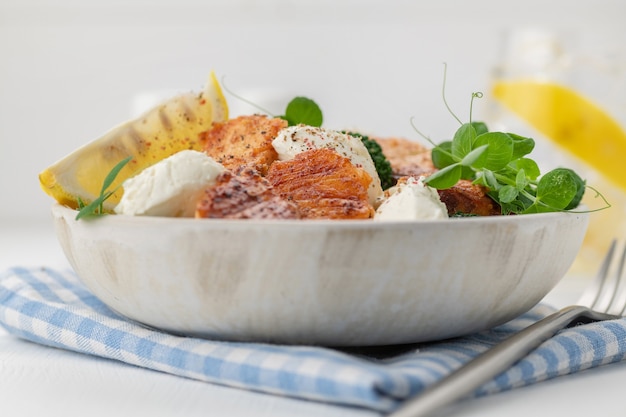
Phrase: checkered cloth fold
(53,308)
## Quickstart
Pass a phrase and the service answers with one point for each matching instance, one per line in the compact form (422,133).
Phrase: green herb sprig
(499,161)
(96,207)
(300,110)
(303,110)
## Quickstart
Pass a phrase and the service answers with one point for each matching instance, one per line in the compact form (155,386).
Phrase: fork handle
(496,360)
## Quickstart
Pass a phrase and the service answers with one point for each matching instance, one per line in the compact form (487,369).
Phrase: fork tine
(592,292)
(618,301)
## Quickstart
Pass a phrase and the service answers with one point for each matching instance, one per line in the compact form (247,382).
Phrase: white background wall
(70,69)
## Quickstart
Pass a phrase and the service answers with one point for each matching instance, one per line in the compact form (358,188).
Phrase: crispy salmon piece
(467,198)
(406,157)
(244,141)
(244,195)
(323,184)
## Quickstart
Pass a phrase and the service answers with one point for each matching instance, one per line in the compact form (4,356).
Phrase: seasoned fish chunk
(324,185)
(295,139)
(244,141)
(468,198)
(244,195)
(407,157)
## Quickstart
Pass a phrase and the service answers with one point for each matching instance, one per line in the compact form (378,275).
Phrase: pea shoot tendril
(499,161)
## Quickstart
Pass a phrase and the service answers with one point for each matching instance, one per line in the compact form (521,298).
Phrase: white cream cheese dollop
(411,200)
(170,187)
(293,140)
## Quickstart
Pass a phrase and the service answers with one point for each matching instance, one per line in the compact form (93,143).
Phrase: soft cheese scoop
(171,187)
(411,200)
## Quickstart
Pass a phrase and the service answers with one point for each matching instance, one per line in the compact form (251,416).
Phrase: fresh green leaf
(534,208)
(445,178)
(520,205)
(522,146)
(498,161)
(530,167)
(442,155)
(463,140)
(480,127)
(581,186)
(500,150)
(556,189)
(507,194)
(95,208)
(302,110)
(108,180)
(490,180)
(521,181)
(467,173)
(474,156)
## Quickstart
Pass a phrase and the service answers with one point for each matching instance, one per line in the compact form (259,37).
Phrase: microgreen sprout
(499,161)
(96,207)
(300,110)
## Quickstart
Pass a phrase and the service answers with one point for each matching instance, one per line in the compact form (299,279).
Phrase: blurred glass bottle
(567,90)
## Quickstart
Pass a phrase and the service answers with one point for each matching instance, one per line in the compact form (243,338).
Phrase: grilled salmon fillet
(467,198)
(406,157)
(243,141)
(323,184)
(244,195)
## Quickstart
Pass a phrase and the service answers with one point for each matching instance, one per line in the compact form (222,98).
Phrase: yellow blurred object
(585,131)
(168,128)
(571,121)
(566,89)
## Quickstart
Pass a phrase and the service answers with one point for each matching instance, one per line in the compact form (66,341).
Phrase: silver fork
(603,299)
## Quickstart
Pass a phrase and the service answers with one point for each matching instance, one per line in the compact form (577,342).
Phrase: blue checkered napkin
(53,308)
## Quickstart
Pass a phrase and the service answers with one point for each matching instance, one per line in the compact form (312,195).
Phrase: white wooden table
(41,381)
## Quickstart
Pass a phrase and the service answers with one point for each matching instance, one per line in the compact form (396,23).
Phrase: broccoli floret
(382,165)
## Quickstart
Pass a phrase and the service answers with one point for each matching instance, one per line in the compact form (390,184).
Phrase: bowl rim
(63,210)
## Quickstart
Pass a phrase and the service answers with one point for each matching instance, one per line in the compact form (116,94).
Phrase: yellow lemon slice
(168,128)
(571,121)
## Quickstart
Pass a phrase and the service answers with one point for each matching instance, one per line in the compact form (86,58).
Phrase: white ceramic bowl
(337,283)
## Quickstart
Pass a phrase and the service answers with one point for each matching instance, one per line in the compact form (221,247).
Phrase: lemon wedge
(570,120)
(162,131)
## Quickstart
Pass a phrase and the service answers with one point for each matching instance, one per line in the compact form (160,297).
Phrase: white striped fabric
(53,308)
